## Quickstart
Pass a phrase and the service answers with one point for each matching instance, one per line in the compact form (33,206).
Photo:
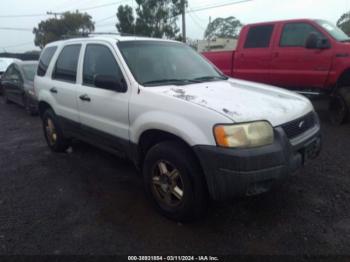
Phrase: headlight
(248,135)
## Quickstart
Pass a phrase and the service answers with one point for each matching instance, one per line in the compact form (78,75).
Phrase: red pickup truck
(308,56)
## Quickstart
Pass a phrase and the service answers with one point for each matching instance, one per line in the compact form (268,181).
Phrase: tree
(127,20)
(54,29)
(344,23)
(154,18)
(224,28)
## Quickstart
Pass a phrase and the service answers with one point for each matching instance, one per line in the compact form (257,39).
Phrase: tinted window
(45,60)
(296,34)
(67,63)
(259,36)
(99,60)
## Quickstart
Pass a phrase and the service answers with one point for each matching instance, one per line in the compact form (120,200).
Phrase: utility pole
(54,13)
(209,36)
(183,5)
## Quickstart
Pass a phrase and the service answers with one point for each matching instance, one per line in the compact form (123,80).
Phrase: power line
(16,29)
(19,16)
(107,24)
(217,6)
(100,6)
(196,22)
(17,45)
(105,19)
(81,9)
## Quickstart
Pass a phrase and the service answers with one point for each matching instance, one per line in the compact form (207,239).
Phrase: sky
(247,12)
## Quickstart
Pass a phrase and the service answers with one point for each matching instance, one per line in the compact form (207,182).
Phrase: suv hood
(242,101)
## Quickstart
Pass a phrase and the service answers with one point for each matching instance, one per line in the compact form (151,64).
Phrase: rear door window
(45,60)
(67,63)
(259,36)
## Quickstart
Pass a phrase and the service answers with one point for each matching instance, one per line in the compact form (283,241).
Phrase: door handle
(53,90)
(85,98)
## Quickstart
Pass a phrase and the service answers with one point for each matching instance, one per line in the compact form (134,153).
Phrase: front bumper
(239,172)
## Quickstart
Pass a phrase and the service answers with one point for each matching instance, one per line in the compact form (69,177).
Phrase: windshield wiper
(211,78)
(170,81)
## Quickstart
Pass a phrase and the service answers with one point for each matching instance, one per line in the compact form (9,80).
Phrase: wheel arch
(43,106)
(343,79)
(152,137)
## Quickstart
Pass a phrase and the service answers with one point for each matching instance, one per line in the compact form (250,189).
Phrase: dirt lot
(90,202)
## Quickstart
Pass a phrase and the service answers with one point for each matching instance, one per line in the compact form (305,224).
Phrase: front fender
(171,123)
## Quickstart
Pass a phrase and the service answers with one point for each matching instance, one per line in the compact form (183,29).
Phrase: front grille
(299,126)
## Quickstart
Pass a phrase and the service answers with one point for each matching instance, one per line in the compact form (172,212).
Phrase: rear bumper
(239,172)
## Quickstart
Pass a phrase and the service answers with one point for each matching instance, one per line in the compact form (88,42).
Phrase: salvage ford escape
(192,131)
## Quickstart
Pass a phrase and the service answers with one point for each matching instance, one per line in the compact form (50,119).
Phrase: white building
(217,44)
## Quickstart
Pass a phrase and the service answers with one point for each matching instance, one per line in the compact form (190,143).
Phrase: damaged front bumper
(238,172)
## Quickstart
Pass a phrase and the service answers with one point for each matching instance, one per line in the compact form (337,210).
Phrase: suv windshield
(158,62)
(29,71)
(333,30)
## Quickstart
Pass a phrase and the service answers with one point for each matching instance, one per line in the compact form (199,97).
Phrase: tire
(53,132)
(180,164)
(339,106)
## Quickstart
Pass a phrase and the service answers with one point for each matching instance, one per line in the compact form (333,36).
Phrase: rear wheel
(174,182)
(53,132)
(339,106)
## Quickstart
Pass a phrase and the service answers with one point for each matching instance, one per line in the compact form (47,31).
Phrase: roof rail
(65,37)
(112,33)
(91,34)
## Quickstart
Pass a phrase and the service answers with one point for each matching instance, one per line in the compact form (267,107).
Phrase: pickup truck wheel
(339,106)
(174,182)
(53,132)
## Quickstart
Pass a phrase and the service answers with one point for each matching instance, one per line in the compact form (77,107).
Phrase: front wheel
(339,106)
(53,132)
(174,182)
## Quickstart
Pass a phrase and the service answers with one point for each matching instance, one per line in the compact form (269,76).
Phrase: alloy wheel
(51,133)
(167,184)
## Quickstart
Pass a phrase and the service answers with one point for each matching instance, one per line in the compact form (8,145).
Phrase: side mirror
(314,41)
(110,83)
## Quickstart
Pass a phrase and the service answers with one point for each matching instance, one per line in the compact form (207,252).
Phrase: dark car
(18,85)
(4,64)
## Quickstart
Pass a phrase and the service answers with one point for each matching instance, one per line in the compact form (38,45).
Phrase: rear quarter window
(259,36)
(45,60)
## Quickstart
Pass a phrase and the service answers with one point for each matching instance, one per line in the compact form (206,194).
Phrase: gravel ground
(90,202)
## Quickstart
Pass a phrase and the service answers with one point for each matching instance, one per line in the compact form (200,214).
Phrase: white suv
(192,131)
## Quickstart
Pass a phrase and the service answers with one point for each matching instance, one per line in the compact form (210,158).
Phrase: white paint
(189,112)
